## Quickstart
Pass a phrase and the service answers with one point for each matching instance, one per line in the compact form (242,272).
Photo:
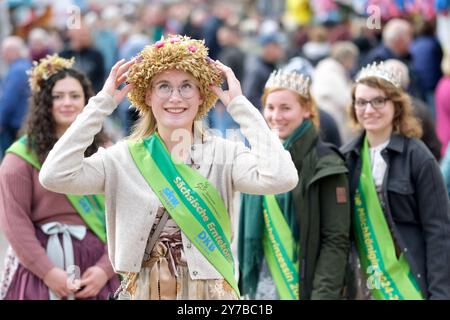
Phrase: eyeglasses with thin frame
(376,103)
(186,90)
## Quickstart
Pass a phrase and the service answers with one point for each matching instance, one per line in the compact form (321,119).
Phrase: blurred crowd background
(327,40)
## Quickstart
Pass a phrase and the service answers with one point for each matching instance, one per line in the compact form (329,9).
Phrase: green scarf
(251,225)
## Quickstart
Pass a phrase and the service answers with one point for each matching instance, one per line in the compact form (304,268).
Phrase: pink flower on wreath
(174,40)
(192,48)
(159,44)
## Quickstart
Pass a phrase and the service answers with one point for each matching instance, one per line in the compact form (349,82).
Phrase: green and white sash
(91,208)
(279,247)
(191,200)
(388,278)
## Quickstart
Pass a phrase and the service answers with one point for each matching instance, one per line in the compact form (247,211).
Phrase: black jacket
(417,208)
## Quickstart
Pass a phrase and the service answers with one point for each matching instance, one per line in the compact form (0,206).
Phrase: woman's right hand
(116,77)
(58,281)
(234,86)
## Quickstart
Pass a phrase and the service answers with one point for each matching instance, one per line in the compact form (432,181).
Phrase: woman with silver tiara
(169,187)
(294,245)
(401,214)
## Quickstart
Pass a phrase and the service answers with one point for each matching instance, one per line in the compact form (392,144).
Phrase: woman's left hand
(234,86)
(92,281)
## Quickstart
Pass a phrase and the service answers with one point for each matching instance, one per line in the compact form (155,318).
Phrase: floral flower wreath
(174,52)
(47,67)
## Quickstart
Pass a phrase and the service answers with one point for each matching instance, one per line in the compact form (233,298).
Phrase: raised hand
(234,86)
(116,77)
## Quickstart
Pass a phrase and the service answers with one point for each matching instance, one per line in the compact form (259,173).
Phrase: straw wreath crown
(45,68)
(174,52)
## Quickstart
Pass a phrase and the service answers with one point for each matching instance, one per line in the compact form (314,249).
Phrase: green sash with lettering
(279,247)
(191,200)
(388,278)
(91,208)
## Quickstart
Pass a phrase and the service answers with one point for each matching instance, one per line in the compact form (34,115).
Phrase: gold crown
(379,71)
(47,67)
(289,80)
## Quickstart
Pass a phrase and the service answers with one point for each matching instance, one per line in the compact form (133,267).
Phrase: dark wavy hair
(40,126)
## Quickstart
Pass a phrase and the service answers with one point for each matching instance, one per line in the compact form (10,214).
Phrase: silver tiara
(379,71)
(289,80)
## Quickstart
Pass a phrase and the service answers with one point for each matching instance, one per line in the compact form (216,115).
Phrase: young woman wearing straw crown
(169,187)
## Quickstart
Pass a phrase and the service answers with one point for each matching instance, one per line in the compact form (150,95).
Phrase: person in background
(401,211)
(230,55)
(427,54)
(420,110)
(14,90)
(259,68)
(442,99)
(317,47)
(331,86)
(58,248)
(39,43)
(87,58)
(397,36)
(221,15)
(309,225)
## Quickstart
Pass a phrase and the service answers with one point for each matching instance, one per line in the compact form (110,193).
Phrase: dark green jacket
(322,209)
(321,200)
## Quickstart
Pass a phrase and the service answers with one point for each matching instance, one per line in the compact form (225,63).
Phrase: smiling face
(284,112)
(174,99)
(376,121)
(68,102)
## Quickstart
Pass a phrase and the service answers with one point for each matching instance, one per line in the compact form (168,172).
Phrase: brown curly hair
(404,122)
(40,126)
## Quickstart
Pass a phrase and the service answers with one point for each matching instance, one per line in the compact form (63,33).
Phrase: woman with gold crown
(401,213)
(57,241)
(169,187)
(294,245)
